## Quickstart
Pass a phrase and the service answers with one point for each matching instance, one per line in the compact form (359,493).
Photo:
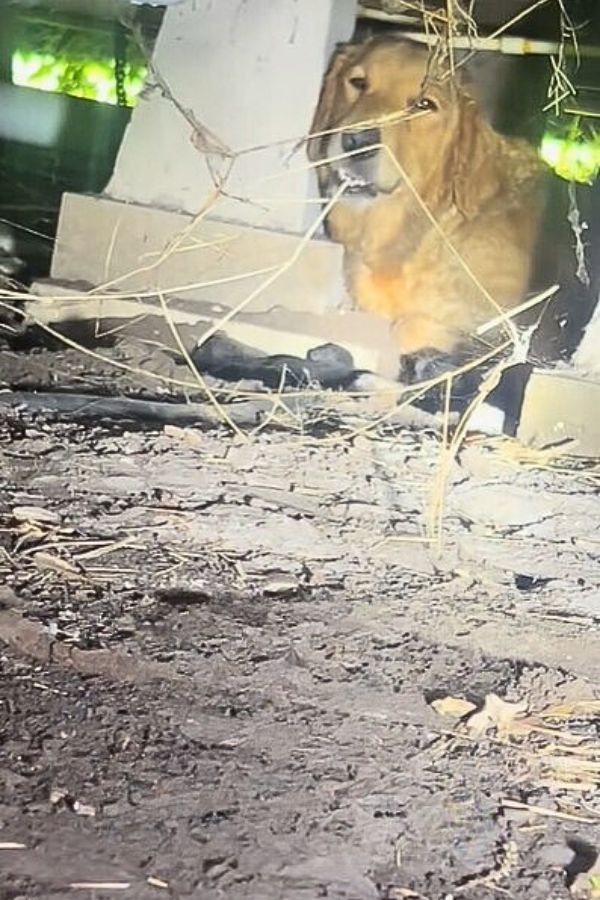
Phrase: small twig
(205,140)
(578,227)
(503,28)
(99,885)
(278,403)
(222,413)
(547,813)
(170,248)
(279,271)
(449,454)
(517,310)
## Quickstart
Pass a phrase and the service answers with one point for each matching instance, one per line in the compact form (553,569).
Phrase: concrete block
(587,356)
(365,336)
(249,71)
(561,406)
(101,240)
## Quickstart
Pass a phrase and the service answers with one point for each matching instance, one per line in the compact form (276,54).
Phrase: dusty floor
(221,659)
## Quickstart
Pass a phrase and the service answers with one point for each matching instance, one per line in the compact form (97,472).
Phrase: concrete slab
(587,355)
(105,241)
(561,406)
(249,71)
(366,337)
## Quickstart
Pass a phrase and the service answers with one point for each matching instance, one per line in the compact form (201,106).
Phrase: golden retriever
(393,133)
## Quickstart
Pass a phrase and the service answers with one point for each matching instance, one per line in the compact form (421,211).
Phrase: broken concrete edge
(139,248)
(587,356)
(245,413)
(561,409)
(364,336)
(558,409)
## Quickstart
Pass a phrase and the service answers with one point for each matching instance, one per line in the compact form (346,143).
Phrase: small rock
(293,658)
(501,506)
(8,598)
(35,514)
(83,809)
(57,795)
(557,854)
(278,585)
(482,462)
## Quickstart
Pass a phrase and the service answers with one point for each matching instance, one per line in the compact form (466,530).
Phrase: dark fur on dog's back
(441,265)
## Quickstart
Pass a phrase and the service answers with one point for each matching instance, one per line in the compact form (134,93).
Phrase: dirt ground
(223,661)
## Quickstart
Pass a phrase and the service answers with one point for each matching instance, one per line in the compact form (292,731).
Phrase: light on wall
(92,79)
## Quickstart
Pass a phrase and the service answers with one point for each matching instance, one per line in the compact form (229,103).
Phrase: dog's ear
(486,164)
(324,115)
(478,171)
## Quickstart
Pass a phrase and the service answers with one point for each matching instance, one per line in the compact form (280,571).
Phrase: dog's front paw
(426,365)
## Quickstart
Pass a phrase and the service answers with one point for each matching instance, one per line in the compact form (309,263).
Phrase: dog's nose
(360,140)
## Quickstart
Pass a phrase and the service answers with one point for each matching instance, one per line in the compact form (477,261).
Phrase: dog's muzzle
(367,141)
(357,170)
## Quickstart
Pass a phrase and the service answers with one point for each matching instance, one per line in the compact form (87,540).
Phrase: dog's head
(383,113)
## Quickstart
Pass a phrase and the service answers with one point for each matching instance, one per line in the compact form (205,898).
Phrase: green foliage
(80,61)
(74,61)
(572,150)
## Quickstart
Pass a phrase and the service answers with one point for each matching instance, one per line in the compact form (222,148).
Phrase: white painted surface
(31,117)
(587,357)
(251,71)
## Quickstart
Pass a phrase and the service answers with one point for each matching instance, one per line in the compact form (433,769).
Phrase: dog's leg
(426,365)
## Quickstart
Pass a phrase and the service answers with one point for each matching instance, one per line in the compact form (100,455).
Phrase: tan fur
(481,188)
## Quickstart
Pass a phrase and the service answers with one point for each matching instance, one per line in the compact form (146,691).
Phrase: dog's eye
(425,103)
(358,82)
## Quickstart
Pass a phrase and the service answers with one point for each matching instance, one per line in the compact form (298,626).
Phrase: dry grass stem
(548,813)
(221,412)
